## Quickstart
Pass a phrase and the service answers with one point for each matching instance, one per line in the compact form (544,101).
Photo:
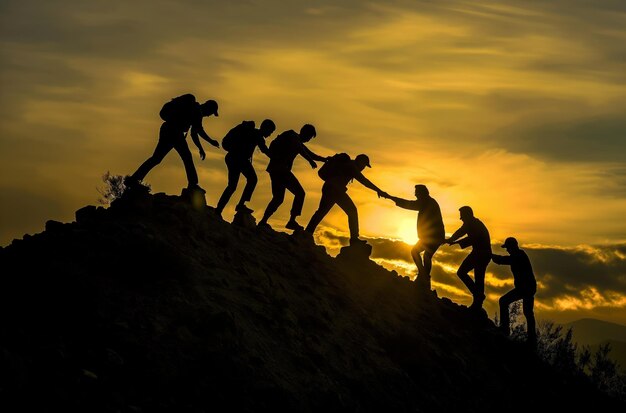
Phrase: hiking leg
(345,202)
(417,258)
(327,201)
(480,268)
(293,185)
(504,302)
(183,150)
(463,273)
(278,195)
(528,304)
(247,170)
(233,180)
(163,147)
(429,252)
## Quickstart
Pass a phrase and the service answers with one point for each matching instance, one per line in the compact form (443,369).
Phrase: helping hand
(313,164)
(214,143)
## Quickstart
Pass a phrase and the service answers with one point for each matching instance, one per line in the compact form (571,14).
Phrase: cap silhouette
(510,242)
(363,159)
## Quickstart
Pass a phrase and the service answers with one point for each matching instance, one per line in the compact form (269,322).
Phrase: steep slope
(152,305)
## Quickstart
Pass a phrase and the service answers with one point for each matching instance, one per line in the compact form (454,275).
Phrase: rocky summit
(155,304)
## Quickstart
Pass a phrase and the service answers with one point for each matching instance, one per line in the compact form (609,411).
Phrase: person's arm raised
(458,234)
(368,184)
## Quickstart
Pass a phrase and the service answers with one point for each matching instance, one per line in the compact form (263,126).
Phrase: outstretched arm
(368,184)
(195,131)
(411,204)
(263,147)
(501,259)
(310,156)
(458,234)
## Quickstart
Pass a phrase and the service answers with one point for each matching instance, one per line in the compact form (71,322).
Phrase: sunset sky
(517,109)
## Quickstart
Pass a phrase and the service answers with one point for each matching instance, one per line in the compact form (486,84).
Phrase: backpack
(282,143)
(235,136)
(178,109)
(337,165)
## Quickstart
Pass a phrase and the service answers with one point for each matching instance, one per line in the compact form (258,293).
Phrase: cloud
(588,139)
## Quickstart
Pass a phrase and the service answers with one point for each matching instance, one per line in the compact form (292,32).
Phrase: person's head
(209,108)
(307,132)
(421,191)
(267,127)
(466,213)
(510,244)
(362,161)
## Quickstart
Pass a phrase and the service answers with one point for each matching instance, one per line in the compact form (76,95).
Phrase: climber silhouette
(179,115)
(337,172)
(240,143)
(430,231)
(477,260)
(283,151)
(525,287)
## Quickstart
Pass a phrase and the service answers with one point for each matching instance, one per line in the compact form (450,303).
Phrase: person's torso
(184,120)
(523,275)
(343,174)
(246,142)
(283,151)
(478,235)
(429,220)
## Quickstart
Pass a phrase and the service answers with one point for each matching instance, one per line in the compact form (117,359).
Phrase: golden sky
(514,108)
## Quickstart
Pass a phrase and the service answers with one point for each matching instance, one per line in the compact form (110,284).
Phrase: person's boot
(423,282)
(477,304)
(196,187)
(130,182)
(292,224)
(243,208)
(356,242)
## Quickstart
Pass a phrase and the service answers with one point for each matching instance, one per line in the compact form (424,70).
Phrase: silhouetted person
(525,287)
(179,114)
(338,171)
(240,143)
(283,151)
(478,238)
(430,231)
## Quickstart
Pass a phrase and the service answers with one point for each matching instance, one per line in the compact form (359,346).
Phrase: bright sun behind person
(406,231)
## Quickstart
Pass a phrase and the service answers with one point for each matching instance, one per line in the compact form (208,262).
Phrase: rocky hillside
(154,305)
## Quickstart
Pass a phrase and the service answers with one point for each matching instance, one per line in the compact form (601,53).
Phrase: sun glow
(406,231)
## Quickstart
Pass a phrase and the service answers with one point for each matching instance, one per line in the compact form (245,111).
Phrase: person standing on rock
(283,151)
(525,287)
(337,172)
(179,115)
(477,236)
(240,142)
(430,231)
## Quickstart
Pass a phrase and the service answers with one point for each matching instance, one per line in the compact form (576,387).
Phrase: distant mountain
(153,305)
(591,332)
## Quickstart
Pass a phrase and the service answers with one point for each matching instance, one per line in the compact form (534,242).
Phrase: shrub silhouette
(113,189)
(557,348)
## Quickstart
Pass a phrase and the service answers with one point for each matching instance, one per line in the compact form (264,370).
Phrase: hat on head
(362,158)
(510,242)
